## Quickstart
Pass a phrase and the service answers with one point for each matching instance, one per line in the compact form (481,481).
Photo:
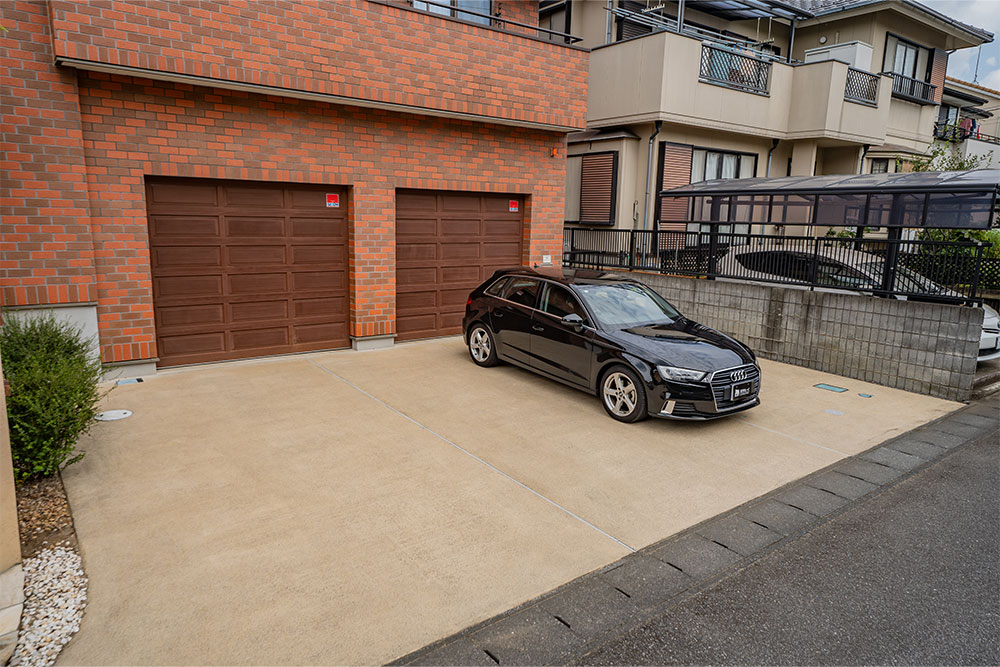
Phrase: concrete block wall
(920,347)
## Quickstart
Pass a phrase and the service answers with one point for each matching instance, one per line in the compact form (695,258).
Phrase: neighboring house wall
(363,94)
(11,574)
(920,347)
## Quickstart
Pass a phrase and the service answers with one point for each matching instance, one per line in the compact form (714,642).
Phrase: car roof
(566,276)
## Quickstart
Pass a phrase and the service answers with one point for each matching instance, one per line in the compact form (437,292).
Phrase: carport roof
(976,180)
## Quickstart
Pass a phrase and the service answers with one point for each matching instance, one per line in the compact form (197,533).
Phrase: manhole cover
(113,415)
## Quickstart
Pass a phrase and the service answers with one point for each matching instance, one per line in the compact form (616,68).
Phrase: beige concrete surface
(284,511)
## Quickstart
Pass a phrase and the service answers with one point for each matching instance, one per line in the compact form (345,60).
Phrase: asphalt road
(910,576)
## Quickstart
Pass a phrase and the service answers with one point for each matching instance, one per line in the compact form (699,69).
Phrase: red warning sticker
(512,205)
(333,201)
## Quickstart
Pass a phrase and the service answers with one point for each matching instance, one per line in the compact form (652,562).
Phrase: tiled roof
(821,7)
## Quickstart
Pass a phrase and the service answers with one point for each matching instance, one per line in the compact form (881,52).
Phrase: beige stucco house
(690,90)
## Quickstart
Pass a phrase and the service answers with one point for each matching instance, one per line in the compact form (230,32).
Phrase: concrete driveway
(351,507)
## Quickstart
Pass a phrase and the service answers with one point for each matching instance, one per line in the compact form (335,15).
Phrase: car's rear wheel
(622,395)
(482,347)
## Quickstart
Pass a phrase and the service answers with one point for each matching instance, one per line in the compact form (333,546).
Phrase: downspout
(611,21)
(774,144)
(649,169)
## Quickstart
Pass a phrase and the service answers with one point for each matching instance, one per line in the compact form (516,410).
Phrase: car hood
(685,344)
(991,320)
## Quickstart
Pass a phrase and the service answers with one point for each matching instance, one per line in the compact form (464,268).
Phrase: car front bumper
(704,401)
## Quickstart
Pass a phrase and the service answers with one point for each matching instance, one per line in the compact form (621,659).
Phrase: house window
(598,188)
(707,165)
(906,58)
(880,165)
(455,8)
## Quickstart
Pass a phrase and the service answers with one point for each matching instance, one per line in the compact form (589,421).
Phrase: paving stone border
(567,622)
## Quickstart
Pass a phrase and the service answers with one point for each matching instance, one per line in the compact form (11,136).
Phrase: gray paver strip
(870,471)
(590,607)
(696,556)
(779,517)
(741,535)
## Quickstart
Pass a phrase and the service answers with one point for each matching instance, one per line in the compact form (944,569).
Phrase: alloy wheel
(619,394)
(479,344)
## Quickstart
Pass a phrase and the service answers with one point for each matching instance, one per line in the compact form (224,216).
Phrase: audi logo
(741,374)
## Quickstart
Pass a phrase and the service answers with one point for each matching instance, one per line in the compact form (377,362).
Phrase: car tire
(482,346)
(622,395)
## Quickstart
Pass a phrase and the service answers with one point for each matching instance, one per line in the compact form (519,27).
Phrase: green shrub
(54,392)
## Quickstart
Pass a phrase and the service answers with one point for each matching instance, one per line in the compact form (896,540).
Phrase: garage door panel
(461,228)
(328,255)
(184,225)
(255,227)
(255,195)
(187,315)
(258,283)
(185,256)
(468,245)
(494,251)
(204,343)
(505,228)
(258,310)
(316,333)
(187,286)
(175,193)
(324,228)
(460,250)
(416,252)
(251,255)
(227,276)
(407,227)
(250,339)
(318,280)
(461,274)
(332,306)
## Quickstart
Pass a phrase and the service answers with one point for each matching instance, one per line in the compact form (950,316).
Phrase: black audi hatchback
(614,337)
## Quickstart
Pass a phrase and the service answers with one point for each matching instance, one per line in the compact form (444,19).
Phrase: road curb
(579,616)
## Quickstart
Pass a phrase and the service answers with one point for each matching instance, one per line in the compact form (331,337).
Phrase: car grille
(723,380)
(684,410)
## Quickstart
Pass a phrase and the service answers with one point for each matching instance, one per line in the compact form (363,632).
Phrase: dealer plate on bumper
(742,390)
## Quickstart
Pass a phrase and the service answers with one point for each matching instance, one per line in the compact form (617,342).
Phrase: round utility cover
(113,415)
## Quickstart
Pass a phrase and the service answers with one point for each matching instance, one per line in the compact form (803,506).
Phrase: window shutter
(598,184)
(939,66)
(675,170)
(629,29)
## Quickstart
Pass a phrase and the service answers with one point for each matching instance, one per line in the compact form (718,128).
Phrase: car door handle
(497,313)
(535,327)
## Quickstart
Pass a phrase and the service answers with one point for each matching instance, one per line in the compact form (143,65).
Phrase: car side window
(559,302)
(841,275)
(522,290)
(496,289)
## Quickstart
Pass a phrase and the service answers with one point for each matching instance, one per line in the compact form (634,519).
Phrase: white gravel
(55,593)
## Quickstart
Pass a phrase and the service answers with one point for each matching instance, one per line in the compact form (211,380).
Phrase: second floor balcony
(913,90)
(680,79)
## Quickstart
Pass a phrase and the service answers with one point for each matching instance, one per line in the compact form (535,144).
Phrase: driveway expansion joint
(633,590)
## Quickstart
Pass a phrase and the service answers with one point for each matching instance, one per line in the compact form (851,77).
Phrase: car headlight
(680,374)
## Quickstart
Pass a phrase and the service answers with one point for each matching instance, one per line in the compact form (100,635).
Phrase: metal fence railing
(861,86)
(914,89)
(728,67)
(927,270)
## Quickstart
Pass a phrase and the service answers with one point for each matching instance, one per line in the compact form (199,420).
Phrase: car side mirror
(573,321)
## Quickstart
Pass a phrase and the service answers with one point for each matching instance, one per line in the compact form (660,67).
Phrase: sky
(982,14)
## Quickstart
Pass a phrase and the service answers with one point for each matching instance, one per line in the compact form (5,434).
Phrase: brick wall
(137,127)
(47,252)
(921,347)
(352,48)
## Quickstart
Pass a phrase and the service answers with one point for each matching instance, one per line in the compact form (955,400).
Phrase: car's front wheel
(482,347)
(622,395)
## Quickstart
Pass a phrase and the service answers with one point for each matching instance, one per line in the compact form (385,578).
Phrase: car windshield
(623,305)
(906,280)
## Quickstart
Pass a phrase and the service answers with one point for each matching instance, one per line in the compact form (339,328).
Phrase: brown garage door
(446,244)
(245,269)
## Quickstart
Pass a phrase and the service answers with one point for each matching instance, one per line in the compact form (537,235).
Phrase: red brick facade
(78,145)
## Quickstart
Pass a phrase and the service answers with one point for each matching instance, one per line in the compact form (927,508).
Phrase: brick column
(372,252)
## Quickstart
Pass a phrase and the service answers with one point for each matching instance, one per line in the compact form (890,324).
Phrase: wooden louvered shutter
(675,170)
(598,185)
(939,67)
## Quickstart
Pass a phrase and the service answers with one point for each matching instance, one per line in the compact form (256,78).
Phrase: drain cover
(113,415)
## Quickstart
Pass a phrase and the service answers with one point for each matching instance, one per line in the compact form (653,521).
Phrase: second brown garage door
(245,269)
(446,244)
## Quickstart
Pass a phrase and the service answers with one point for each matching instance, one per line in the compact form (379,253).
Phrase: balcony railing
(862,87)
(727,67)
(912,89)
(950,132)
